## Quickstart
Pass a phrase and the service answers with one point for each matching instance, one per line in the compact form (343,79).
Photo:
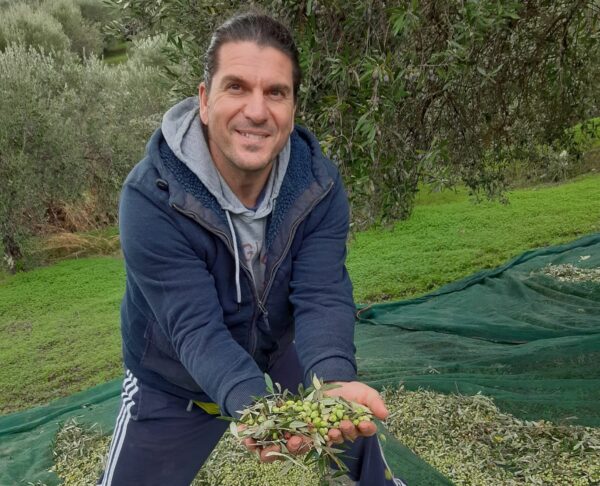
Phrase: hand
(295,444)
(355,391)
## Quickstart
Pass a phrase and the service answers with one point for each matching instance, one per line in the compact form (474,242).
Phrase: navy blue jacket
(183,331)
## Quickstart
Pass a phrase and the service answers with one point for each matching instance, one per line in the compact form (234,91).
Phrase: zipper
(290,239)
(259,299)
(225,238)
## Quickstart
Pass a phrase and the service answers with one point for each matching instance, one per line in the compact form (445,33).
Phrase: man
(233,229)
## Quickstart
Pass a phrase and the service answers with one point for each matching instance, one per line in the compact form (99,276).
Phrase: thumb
(376,405)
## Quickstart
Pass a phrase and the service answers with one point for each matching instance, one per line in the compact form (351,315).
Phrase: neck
(248,188)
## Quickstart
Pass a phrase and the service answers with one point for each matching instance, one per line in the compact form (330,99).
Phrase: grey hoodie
(182,129)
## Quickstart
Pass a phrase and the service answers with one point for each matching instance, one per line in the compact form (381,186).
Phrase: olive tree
(70,131)
(405,93)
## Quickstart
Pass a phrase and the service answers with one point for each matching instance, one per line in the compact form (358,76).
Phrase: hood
(182,130)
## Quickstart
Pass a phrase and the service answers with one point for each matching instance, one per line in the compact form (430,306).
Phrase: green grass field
(115,53)
(448,237)
(60,330)
(60,324)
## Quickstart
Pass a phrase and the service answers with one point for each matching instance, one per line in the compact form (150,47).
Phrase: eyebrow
(282,87)
(232,78)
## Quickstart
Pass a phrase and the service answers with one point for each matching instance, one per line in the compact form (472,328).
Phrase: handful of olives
(311,414)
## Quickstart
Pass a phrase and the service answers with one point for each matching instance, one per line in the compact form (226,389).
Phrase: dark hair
(254,27)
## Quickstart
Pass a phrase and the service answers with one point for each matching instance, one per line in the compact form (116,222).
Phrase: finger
(298,444)
(376,405)
(349,431)
(294,444)
(335,436)
(250,443)
(264,457)
(367,429)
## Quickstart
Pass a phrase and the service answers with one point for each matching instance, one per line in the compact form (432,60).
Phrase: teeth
(253,136)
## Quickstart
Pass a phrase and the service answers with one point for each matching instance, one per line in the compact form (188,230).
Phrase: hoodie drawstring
(237,259)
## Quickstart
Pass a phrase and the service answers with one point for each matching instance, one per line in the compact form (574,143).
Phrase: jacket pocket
(160,357)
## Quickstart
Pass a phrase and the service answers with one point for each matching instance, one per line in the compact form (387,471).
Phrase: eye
(277,93)
(234,87)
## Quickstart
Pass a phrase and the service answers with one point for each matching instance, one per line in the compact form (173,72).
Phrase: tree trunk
(12,253)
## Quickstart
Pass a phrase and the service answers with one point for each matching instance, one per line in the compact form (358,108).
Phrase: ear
(203,101)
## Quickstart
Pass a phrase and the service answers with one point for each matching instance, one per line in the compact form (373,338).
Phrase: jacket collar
(305,181)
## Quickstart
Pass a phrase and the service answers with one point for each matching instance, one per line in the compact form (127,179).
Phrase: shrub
(69,134)
(20,24)
(53,25)
(124,104)
(38,158)
(86,38)
(149,51)
(96,11)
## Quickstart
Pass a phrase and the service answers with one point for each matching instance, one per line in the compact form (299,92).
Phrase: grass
(64,245)
(4,276)
(449,237)
(115,53)
(60,324)
(60,330)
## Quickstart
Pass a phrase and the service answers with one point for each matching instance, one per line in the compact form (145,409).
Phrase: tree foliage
(85,37)
(70,131)
(402,93)
(21,24)
(50,25)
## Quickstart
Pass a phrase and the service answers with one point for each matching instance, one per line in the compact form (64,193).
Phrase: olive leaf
(269,383)
(273,419)
(233,428)
(316,382)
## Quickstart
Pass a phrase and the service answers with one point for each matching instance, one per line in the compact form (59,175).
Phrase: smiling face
(249,109)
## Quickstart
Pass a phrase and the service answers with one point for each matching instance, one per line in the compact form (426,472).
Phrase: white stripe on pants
(130,388)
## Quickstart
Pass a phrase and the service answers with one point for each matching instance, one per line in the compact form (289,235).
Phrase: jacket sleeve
(321,293)
(180,291)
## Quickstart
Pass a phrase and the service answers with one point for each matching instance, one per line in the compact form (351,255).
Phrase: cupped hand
(355,391)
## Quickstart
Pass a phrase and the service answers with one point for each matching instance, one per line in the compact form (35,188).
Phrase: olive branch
(310,414)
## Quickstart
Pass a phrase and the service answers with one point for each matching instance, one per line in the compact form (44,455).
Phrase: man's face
(249,110)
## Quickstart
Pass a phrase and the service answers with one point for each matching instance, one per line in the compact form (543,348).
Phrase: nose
(256,108)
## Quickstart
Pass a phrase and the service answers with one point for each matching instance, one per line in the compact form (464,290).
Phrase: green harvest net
(526,334)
